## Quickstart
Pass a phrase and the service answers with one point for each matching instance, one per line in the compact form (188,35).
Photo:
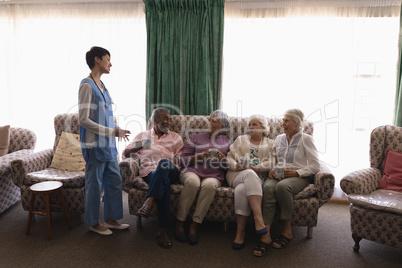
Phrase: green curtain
(184,55)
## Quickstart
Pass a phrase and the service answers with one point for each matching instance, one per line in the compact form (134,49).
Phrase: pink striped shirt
(167,146)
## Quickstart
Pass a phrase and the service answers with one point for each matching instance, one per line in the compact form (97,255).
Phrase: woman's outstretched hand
(122,134)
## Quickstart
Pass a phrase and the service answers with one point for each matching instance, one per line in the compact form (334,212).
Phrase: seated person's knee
(165,163)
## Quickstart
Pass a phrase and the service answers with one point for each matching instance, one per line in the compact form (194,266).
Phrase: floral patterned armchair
(22,144)
(35,168)
(306,203)
(374,213)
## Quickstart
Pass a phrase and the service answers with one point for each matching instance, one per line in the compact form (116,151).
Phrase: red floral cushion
(392,179)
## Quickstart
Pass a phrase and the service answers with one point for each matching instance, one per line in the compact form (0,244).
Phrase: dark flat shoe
(262,231)
(193,239)
(181,237)
(237,246)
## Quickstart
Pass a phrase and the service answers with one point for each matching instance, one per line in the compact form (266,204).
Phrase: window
(341,72)
(44,50)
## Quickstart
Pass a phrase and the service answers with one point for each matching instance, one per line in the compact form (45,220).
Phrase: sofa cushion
(68,155)
(68,178)
(4,139)
(392,179)
(5,160)
(383,200)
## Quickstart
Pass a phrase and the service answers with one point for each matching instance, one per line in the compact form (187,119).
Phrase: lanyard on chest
(106,105)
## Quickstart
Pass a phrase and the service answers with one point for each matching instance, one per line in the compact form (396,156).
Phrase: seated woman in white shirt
(247,178)
(301,158)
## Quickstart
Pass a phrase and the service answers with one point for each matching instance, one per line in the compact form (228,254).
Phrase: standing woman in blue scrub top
(98,144)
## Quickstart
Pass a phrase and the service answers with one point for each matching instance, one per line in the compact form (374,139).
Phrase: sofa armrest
(324,180)
(363,181)
(129,169)
(30,163)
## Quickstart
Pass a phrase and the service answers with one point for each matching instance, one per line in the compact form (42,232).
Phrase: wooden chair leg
(139,221)
(225,226)
(309,232)
(63,203)
(357,239)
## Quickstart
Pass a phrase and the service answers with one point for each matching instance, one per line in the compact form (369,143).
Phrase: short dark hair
(93,53)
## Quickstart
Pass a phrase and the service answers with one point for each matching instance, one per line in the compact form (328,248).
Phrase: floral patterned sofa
(35,168)
(374,213)
(22,143)
(306,203)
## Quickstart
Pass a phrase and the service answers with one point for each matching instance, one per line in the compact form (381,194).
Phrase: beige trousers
(192,184)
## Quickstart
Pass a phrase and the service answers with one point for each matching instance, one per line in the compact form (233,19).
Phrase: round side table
(46,188)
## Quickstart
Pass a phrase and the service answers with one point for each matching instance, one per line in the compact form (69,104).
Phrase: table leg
(48,217)
(30,213)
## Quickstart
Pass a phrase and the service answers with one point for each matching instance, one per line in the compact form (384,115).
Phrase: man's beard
(163,127)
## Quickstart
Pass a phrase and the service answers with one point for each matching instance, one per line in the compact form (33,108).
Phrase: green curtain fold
(184,55)
(398,99)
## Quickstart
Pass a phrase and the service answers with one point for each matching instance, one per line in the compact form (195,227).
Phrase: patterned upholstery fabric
(35,168)
(374,224)
(306,203)
(21,139)
(22,143)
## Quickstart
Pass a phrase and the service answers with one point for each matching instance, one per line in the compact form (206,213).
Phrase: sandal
(164,240)
(143,211)
(261,248)
(282,241)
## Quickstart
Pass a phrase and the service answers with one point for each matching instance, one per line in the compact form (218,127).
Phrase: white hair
(157,111)
(222,117)
(296,115)
(263,121)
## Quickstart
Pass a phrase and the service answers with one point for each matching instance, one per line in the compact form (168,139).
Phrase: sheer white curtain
(317,8)
(336,60)
(43,61)
(340,70)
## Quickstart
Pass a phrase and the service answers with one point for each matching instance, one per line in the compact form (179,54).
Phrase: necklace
(106,105)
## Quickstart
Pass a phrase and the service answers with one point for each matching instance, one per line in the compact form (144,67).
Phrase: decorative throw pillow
(4,139)
(68,154)
(392,179)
